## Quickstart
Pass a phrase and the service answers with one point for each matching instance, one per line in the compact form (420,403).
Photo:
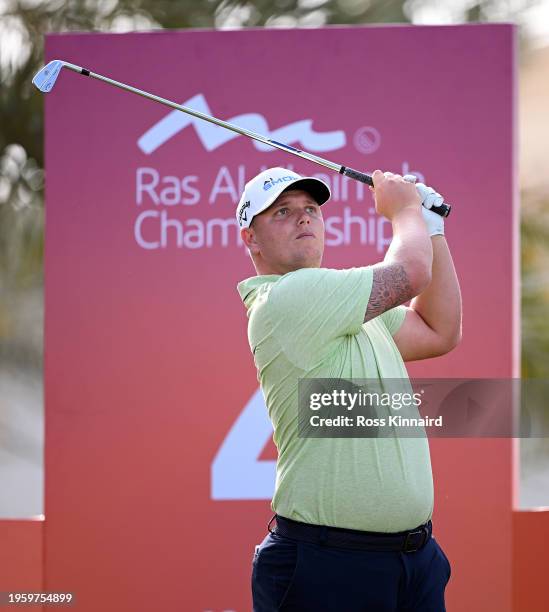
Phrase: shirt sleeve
(393,318)
(313,308)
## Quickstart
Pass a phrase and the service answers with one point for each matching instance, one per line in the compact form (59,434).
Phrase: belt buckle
(424,531)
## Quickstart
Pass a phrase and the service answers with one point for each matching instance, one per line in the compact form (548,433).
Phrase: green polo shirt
(309,324)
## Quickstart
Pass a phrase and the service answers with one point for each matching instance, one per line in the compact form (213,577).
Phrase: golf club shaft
(199,115)
(443,210)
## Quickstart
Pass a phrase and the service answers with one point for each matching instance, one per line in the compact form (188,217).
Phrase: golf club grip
(443,210)
(358,176)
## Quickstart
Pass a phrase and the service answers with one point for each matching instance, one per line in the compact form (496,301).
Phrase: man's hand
(393,194)
(429,198)
(434,222)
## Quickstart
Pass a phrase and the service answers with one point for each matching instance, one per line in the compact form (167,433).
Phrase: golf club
(45,79)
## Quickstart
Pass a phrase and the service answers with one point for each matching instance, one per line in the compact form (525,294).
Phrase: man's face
(289,235)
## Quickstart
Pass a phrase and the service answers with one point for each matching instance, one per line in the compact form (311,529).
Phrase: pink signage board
(159,458)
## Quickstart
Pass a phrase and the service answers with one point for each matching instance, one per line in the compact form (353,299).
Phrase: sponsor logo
(212,136)
(242,214)
(272,182)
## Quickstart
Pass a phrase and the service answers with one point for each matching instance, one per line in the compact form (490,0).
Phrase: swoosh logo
(212,136)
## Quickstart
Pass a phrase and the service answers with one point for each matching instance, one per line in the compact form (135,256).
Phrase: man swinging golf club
(353,529)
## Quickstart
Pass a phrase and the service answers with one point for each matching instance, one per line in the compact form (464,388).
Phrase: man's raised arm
(406,269)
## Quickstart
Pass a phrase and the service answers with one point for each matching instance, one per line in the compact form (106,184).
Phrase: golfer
(353,530)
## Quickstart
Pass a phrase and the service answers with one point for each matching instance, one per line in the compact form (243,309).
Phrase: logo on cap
(242,214)
(283,179)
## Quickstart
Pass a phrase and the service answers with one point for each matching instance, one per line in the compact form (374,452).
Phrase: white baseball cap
(264,189)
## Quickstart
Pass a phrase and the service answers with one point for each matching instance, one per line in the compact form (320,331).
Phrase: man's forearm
(439,305)
(411,247)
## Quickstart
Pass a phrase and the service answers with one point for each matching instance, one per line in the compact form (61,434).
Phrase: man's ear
(248,237)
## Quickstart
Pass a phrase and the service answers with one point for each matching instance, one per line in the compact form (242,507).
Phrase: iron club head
(45,78)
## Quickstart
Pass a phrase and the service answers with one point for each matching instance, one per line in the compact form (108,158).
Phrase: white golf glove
(429,198)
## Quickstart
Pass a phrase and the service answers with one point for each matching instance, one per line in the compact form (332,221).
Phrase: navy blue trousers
(296,576)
